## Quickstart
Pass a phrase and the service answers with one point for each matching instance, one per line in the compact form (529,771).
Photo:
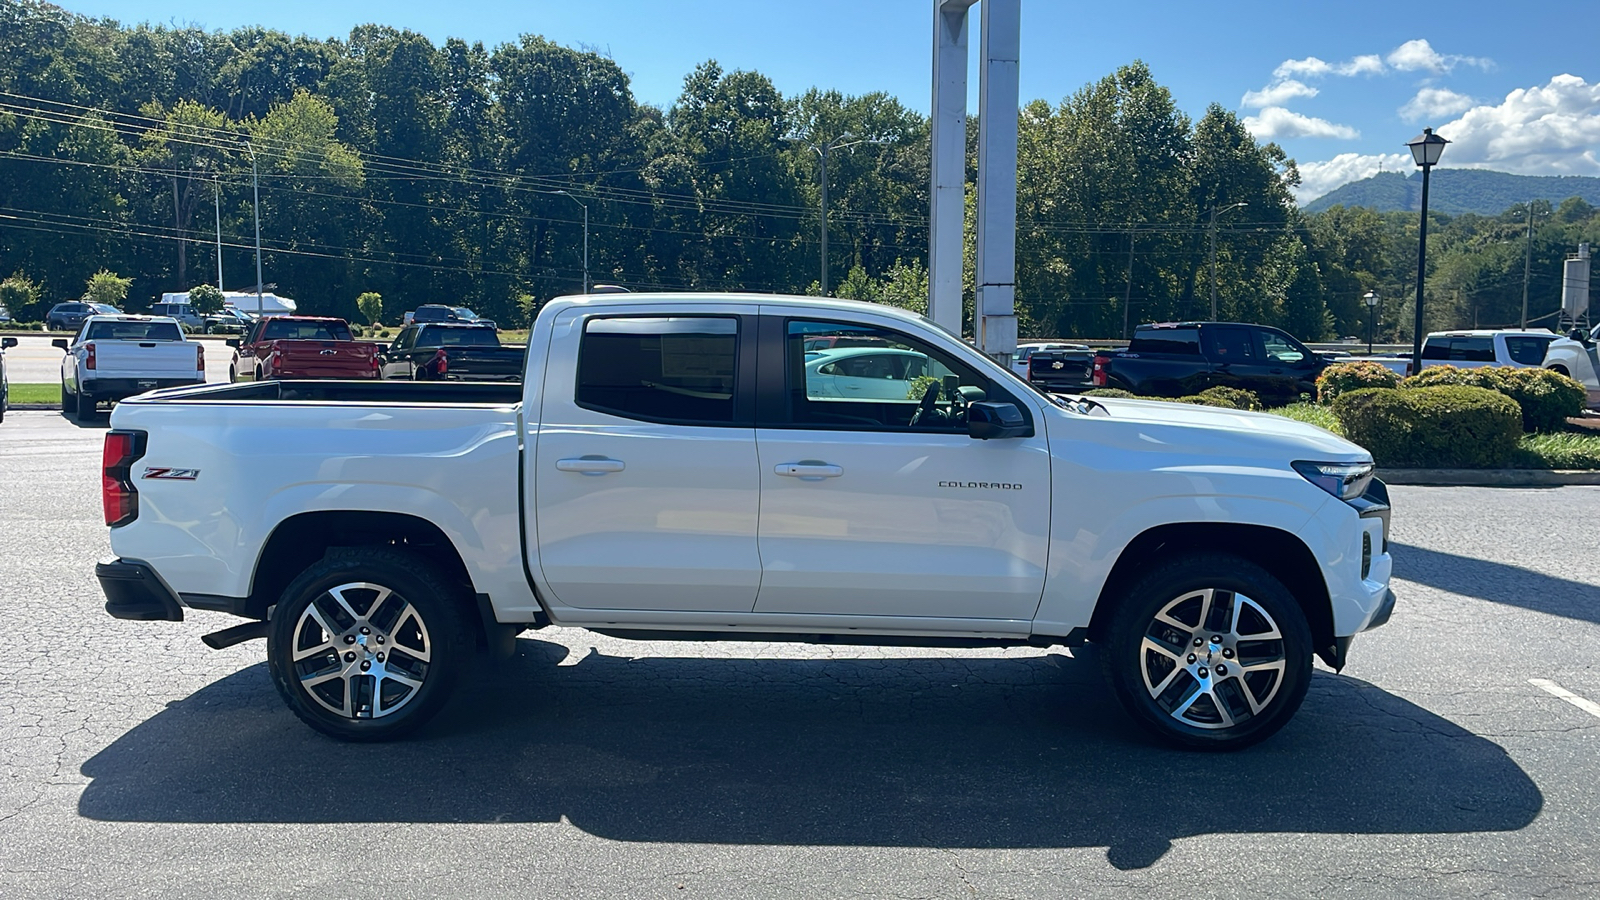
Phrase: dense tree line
(462,174)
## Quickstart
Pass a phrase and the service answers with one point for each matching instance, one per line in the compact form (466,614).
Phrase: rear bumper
(134,591)
(118,388)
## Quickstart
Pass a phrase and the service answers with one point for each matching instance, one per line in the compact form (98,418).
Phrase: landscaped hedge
(1225,397)
(1341,378)
(1547,399)
(1111,392)
(1446,427)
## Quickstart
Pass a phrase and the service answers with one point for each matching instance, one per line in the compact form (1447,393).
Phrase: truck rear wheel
(1209,652)
(368,644)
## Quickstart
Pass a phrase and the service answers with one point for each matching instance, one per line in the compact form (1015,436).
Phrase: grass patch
(35,393)
(1311,414)
(1561,450)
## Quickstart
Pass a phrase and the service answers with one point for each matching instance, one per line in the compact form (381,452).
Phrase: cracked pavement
(136,762)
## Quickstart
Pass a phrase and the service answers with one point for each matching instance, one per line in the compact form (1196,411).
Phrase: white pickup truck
(1578,356)
(1475,350)
(668,469)
(113,357)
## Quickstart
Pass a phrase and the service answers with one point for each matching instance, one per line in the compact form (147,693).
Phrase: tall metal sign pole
(995,274)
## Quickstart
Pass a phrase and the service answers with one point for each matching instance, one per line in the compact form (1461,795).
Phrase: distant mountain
(1457,191)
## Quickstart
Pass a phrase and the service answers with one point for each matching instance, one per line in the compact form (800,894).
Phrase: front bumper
(120,388)
(134,591)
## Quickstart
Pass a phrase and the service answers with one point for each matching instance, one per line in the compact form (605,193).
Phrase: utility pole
(218,184)
(822,150)
(1214,212)
(1127,296)
(585,236)
(1527,265)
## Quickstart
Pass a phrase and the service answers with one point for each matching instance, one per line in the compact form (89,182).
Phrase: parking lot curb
(1490,477)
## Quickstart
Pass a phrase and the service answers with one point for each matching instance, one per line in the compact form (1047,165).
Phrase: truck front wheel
(367,644)
(1209,651)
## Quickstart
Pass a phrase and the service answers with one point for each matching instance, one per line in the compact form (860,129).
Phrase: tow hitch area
(238,634)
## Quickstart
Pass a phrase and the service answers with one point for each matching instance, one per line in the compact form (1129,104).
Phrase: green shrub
(1235,398)
(1432,427)
(356,330)
(1546,399)
(1110,392)
(1341,378)
(1311,414)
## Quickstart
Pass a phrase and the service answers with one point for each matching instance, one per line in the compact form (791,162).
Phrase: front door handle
(808,470)
(591,465)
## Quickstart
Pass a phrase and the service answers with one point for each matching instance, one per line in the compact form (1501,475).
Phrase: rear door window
(1183,341)
(674,369)
(1230,345)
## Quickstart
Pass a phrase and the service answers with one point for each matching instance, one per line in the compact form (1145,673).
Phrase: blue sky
(1340,85)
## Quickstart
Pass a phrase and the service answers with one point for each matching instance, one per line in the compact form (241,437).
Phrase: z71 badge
(170,474)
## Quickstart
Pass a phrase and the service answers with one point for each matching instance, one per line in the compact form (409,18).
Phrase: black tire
(233,375)
(69,402)
(1200,698)
(409,609)
(83,408)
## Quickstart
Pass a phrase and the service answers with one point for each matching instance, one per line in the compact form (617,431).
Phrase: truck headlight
(1346,481)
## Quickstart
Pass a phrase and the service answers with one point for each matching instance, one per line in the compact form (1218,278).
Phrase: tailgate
(326,358)
(146,359)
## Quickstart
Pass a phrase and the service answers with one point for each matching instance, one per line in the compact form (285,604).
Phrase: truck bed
(450,393)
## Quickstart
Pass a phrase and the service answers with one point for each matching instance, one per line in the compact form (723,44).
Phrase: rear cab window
(281,330)
(1527,349)
(133,331)
(671,369)
(1181,340)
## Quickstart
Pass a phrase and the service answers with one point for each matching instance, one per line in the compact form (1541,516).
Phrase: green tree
(206,299)
(371,305)
(23,298)
(107,287)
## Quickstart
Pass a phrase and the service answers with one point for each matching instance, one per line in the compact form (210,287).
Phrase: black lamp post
(1426,148)
(1372,310)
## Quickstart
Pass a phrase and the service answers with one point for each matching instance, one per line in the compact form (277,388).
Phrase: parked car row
(316,347)
(438,312)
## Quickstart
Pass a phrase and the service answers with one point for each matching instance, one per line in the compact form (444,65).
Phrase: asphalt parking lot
(135,761)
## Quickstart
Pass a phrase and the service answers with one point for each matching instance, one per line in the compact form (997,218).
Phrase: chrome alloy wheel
(361,651)
(1213,659)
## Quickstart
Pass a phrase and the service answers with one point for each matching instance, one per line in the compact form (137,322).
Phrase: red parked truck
(302,347)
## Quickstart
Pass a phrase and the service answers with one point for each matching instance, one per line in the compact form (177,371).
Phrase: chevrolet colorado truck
(301,347)
(113,357)
(1577,356)
(670,468)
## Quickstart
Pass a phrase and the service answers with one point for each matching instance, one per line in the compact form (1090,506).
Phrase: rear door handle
(808,470)
(591,465)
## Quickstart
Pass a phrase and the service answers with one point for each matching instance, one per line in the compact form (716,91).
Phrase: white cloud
(1435,103)
(1278,94)
(1361,65)
(1548,130)
(1419,56)
(1277,122)
(1318,178)
(1312,67)
(1551,129)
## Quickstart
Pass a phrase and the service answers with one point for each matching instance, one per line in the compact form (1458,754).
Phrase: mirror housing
(59,343)
(7,343)
(232,342)
(990,419)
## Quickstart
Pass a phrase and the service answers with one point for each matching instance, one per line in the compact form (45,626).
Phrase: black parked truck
(450,351)
(1178,359)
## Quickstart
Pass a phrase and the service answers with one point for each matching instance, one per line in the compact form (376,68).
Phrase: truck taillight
(199,357)
(1100,370)
(441,363)
(88,355)
(117,493)
(376,366)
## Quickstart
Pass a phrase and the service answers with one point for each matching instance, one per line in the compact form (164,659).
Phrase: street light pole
(1527,266)
(1214,212)
(1426,148)
(255,187)
(217,183)
(1372,310)
(585,237)
(822,150)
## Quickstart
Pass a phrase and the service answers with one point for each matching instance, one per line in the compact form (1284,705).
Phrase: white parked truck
(113,357)
(1475,350)
(1578,357)
(668,469)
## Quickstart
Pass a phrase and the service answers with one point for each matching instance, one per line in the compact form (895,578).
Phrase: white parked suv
(668,469)
(113,357)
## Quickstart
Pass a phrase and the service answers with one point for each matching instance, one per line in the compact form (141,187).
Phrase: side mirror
(59,343)
(992,419)
(7,343)
(232,342)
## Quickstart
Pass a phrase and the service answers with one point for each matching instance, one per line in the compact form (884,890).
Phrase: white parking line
(1556,690)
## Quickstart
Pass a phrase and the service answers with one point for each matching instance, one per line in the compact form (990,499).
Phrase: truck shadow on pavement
(1496,582)
(924,751)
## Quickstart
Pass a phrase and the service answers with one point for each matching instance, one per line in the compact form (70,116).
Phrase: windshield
(133,331)
(457,337)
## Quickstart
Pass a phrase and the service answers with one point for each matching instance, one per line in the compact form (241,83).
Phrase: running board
(238,634)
